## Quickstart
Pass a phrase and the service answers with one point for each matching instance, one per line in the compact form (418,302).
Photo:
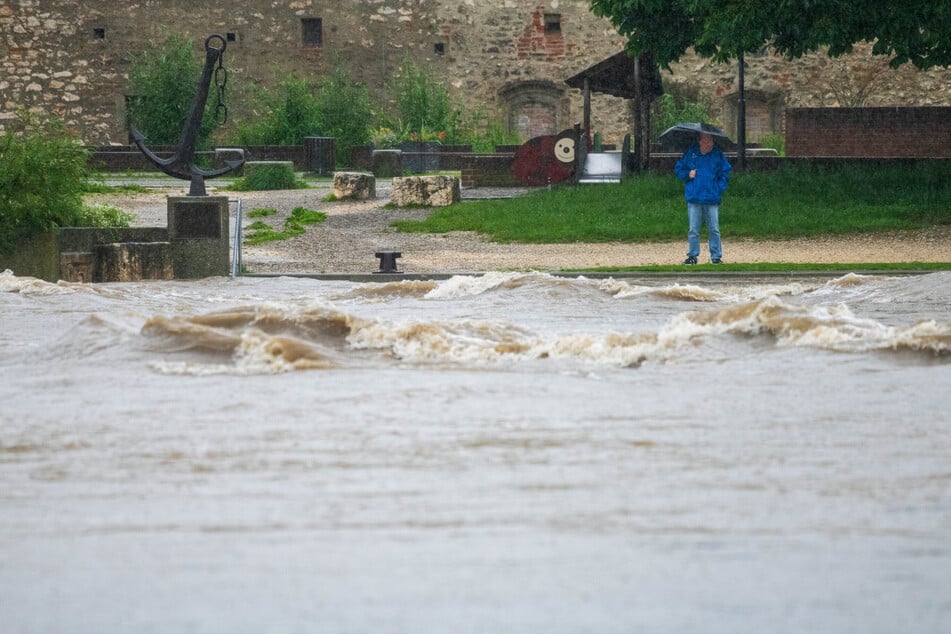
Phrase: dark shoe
(716,261)
(690,260)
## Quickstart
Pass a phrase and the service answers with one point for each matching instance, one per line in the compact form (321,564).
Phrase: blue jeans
(709,214)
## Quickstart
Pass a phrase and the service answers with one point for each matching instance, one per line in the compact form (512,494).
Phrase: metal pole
(741,116)
(236,255)
(587,106)
(639,136)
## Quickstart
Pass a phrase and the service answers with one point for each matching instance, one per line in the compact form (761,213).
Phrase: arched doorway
(534,108)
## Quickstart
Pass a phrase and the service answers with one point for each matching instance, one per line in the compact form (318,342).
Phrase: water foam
(10,283)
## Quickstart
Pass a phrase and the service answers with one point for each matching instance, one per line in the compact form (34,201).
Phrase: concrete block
(354,185)
(435,191)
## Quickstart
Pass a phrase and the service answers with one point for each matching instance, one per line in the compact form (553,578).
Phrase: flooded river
(507,453)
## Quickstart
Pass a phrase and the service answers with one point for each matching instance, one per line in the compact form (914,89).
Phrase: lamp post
(741,117)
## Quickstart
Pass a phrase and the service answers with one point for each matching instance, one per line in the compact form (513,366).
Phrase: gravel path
(354,231)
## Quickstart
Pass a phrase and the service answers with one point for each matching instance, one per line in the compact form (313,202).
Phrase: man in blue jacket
(706,173)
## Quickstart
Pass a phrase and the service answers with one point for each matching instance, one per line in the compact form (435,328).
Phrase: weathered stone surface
(437,191)
(354,185)
(133,261)
(500,57)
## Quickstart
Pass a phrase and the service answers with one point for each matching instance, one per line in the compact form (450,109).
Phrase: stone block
(354,185)
(435,191)
(133,261)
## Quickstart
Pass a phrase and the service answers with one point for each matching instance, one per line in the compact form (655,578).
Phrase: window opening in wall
(231,37)
(312,32)
(99,34)
(439,48)
(552,23)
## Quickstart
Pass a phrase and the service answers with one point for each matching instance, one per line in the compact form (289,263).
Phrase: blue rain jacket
(713,175)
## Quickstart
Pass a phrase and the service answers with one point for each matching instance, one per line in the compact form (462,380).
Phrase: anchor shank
(189,138)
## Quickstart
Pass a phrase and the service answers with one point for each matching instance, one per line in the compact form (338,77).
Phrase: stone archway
(534,108)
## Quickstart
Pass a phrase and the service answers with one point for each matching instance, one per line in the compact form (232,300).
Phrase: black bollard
(388,261)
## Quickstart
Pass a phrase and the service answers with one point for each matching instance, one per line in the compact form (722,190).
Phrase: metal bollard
(388,261)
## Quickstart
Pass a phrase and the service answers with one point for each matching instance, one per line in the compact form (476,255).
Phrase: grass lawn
(788,203)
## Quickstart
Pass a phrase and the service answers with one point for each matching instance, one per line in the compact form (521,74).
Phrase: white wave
(10,283)
(460,286)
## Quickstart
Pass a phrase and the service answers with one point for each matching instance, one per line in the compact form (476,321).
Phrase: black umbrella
(683,135)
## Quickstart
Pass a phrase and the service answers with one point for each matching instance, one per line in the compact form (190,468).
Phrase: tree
(916,31)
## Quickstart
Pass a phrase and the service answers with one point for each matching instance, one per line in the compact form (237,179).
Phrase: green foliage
(917,31)
(260,232)
(788,203)
(42,169)
(336,107)
(262,213)
(162,80)
(776,141)
(104,215)
(672,109)
(97,187)
(283,116)
(424,107)
(344,112)
(496,133)
(268,176)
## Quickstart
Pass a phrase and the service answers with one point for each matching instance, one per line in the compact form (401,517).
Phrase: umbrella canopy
(683,135)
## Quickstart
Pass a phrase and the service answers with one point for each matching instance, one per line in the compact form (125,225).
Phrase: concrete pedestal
(198,231)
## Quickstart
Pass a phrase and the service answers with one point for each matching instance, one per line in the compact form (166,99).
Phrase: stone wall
(869,132)
(508,58)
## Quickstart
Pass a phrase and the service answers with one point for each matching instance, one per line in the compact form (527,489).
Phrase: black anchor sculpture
(182,163)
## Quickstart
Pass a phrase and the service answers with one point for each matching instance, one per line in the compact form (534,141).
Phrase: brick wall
(923,132)
(488,170)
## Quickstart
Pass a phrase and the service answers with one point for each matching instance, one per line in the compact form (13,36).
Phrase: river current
(513,452)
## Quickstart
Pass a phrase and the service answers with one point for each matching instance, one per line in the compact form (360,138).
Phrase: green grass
(789,203)
(97,187)
(260,232)
(778,267)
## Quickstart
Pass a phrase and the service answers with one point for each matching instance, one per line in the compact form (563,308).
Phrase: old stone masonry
(508,58)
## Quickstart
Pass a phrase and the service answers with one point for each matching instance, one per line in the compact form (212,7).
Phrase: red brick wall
(923,132)
(488,170)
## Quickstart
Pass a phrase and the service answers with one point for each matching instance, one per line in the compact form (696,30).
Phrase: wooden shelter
(635,78)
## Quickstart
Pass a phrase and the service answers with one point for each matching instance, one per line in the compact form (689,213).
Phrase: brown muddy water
(506,453)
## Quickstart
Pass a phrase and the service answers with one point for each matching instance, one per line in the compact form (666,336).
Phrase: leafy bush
(423,105)
(41,179)
(268,176)
(336,107)
(673,109)
(162,80)
(344,112)
(776,141)
(283,116)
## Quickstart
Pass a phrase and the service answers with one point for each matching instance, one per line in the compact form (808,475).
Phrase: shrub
(344,112)
(283,116)
(424,106)
(336,107)
(776,141)
(268,176)
(42,169)
(672,110)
